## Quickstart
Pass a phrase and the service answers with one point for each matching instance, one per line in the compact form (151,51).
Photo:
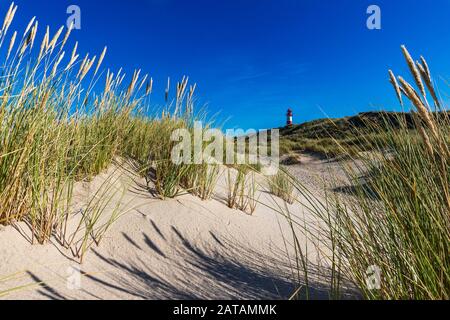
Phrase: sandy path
(182,248)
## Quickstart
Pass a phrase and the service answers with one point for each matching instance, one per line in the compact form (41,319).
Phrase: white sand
(172,249)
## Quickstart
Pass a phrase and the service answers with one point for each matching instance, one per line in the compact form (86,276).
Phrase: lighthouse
(289,118)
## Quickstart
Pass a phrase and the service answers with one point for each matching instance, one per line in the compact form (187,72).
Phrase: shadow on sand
(204,272)
(218,268)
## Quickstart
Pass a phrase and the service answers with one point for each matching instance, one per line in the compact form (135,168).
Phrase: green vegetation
(55,130)
(242,188)
(345,136)
(397,216)
(282,186)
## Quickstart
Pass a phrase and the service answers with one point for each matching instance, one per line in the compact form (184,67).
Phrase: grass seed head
(11,44)
(394,83)
(102,56)
(413,69)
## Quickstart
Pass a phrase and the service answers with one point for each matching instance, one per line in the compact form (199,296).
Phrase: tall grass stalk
(397,217)
(64,120)
(241,189)
(282,186)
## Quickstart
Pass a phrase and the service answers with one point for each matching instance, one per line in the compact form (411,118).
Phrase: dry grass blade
(394,83)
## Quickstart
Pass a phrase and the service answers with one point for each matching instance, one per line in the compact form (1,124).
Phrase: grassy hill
(328,136)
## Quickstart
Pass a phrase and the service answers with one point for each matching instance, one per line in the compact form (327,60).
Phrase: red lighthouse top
(289,117)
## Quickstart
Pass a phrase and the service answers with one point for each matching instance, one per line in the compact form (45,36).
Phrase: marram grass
(63,120)
(398,217)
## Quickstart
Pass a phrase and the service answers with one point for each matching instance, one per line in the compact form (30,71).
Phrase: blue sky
(252,59)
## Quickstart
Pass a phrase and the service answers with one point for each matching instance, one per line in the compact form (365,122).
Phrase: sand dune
(181,248)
